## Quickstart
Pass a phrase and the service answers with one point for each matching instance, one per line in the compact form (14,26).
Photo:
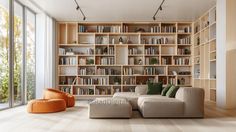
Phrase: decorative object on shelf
(112,41)
(153,61)
(181,81)
(140,62)
(139,30)
(187,51)
(174,73)
(117,80)
(198,40)
(105,50)
(120,40)
(70,52)
(129,41)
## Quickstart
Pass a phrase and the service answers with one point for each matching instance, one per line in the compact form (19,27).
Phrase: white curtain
(45,53)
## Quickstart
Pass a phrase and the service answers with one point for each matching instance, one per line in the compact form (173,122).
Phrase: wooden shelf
(204,53)
(128,64)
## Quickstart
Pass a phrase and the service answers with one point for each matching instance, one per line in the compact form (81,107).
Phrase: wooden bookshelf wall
(99,59)
(205,53)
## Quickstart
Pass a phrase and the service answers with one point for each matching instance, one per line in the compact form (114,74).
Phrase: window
(23,61)
(4,50)
(18,53)
(30,55)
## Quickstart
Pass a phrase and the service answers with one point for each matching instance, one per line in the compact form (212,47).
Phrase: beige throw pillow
(141,89)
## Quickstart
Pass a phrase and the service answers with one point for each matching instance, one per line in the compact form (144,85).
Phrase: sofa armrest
(193,99)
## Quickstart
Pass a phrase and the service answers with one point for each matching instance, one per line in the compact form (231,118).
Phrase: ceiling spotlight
(154,18)
(158,9)
(78,8)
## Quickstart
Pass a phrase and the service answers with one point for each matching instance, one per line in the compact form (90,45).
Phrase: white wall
(226,53)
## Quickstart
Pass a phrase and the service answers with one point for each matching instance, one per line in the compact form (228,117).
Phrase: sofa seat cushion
(160,106)
(129,96)
(110,108)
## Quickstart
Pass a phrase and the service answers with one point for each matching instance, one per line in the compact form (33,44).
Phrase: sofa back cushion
(172,91)
(154,88)
(165,90)
(141,89)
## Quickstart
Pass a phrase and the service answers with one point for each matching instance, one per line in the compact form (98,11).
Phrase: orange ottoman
(46,105)
(57,94)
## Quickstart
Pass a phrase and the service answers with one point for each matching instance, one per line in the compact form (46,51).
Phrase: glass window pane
(4,50)
(30,55)
(18,52)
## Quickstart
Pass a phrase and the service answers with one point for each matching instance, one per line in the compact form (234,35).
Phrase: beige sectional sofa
(188,102)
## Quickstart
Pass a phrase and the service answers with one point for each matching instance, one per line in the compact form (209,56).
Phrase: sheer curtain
(45,53)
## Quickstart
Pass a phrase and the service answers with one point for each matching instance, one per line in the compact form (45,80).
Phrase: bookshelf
(99,59)
(205,54)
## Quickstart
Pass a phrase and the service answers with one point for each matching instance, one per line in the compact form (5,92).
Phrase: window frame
(24,50)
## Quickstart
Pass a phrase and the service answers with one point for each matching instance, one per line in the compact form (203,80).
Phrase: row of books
(106,71)
(66,80)
(107,61)
(112,29)
(151,51)
(187,29)
(105,50)
(150,71)
(91,81)
(101,40)
(130,81)
(182,51)
(133,51)
(155,29)
(163,40)
(66,90)
(85,71)
(62,51)
(104,91)
(168,29)
(85,91)
(128,71)
(82,61)
(135,61)
(172,81)
(166,61)
(82,28)
(186,40)
(72,71)
(182,61)
(68,61)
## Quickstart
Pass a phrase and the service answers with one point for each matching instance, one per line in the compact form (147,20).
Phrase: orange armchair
(51,93)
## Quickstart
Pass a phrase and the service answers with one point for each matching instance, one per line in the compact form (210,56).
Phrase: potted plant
(153,61)
(116,80)
(90,61)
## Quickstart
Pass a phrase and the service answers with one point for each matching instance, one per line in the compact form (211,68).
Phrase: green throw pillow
(154,88)
(172,91)
(165,90)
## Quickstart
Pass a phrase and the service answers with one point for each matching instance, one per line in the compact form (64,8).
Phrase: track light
(159,8)
(78,8)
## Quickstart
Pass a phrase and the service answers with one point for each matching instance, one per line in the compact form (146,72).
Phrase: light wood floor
(76,120)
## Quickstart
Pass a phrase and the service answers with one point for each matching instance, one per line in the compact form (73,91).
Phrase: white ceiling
(125,10)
